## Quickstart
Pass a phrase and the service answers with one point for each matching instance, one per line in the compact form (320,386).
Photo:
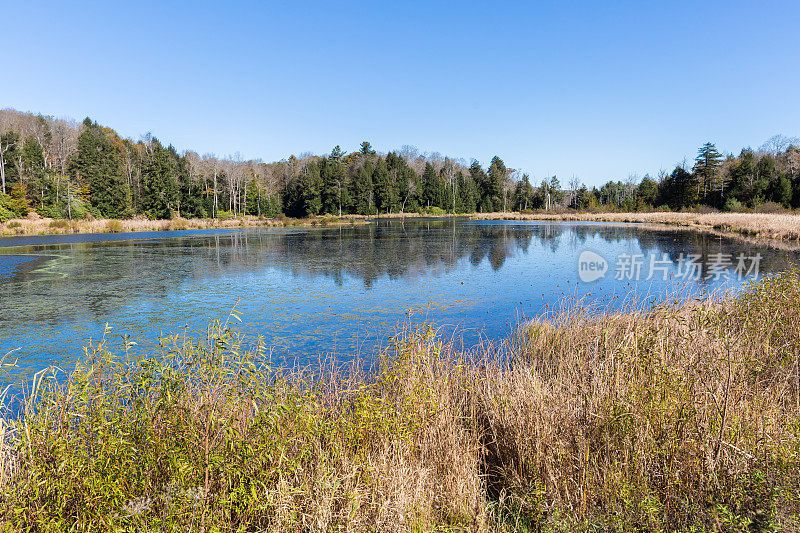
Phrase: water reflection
(311,291)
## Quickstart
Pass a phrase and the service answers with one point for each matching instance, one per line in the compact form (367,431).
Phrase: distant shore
(49,226)
(772,226)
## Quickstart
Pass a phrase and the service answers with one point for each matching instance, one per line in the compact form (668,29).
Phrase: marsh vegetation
(676,417)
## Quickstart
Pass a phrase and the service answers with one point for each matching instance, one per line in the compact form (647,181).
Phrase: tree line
(65,169)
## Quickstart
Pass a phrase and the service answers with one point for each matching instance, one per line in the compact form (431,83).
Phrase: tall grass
(47,226)
(683,417)
(784,227)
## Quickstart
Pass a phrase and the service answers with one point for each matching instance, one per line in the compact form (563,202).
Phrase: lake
(345,290)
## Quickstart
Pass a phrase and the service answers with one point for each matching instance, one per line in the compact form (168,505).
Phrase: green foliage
(680,189)
(311,182)
(6,208)
(109,176)
(493,186)
(161,168)
(734,205)
(97,164)
(113,226)
(432,188)
(19,204)
(435,211)
(361,192)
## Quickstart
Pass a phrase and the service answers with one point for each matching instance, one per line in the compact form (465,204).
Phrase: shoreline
(765,228)
(774,227)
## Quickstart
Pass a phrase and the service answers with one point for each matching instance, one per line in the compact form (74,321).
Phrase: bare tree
(63,144)
(449,174)
(778,144)
(574,185)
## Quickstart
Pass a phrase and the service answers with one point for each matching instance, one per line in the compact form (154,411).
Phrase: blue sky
(593,89)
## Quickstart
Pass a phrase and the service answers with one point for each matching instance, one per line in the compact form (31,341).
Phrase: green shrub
(435,211)
(113,226)
(5,214)
(59,224)
(733,205)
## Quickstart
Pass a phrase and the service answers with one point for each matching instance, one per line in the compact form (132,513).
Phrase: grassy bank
(49,226)
(682,417)
(775,226)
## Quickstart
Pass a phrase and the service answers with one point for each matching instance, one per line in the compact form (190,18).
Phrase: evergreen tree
(334,182)
(467,200)
(707,162)
(523,194)
(679,189)
(312,189)
(781,191)
(361,193)
(481,181)
(497,174)
(159,181)
(97,165)
(33,170)
(385,190)
(648,191)
(366,149)
(432,187)
(255,198)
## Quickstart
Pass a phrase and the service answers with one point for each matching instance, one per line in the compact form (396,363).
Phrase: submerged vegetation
(683,416)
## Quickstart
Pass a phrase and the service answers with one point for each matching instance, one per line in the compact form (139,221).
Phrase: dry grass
(47,226)
(761,225)
(683,417)
(776,227)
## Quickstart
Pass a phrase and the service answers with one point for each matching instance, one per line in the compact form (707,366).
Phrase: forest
(65,169)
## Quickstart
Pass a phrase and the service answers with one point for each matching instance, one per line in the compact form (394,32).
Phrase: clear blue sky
(595,89)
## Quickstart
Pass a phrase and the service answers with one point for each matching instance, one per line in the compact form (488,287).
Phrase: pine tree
(312,189)
(334,182)
(366,149)
(361,190)
(707,162)
(97,165)
(497,175)
(385,191)
(432,187)
(159,181)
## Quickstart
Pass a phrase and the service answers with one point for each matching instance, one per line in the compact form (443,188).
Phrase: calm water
(313,292)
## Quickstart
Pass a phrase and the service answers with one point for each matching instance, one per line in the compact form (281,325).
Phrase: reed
(48,226)
(685,417)
(762,225)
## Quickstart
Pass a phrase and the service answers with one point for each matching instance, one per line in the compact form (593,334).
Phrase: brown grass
(761,225)
(682,417)
(776,227)
(48,226)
